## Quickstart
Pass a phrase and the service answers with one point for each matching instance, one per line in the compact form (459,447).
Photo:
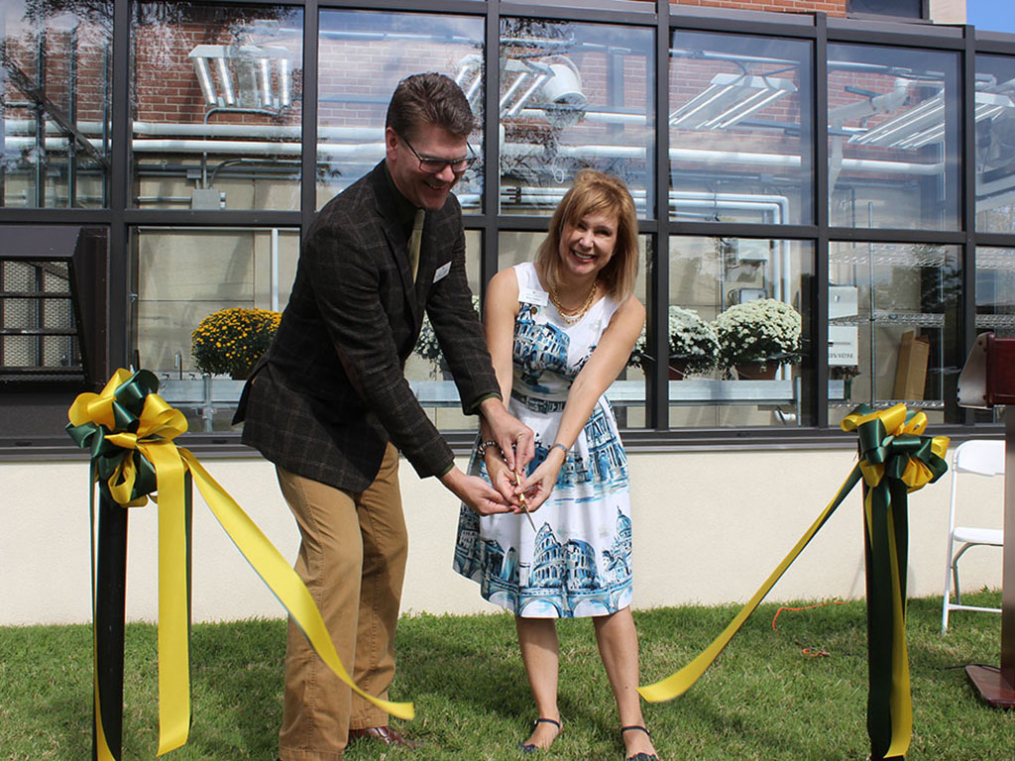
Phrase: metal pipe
(512,89)
(273,272)
(284,94)
(226,81)
(607,117)
(537,82)
(375,150)
(204,79)
(40,141)
(72,115)
(265,71)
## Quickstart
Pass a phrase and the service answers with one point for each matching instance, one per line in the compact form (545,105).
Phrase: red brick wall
(92,43)
(831,7)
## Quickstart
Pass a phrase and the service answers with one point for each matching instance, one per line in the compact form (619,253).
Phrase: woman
(560,330)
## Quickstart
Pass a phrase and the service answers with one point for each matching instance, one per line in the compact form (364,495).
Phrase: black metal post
(110,591)
(880,617)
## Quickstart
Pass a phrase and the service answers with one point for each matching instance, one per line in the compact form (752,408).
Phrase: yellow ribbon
(680,682)
(151,435)
(892,444)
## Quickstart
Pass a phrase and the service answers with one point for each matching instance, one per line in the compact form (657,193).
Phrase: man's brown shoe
(385,735)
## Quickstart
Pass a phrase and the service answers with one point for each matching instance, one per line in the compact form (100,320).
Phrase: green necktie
(414,242)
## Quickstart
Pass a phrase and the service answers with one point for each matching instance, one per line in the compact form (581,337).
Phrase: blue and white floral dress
(578,561)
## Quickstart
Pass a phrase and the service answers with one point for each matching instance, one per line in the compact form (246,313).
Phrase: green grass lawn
(762,699)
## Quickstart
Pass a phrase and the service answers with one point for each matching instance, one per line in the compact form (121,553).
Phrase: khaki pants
(352,559)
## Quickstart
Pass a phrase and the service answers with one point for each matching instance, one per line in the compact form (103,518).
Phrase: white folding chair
(983,457)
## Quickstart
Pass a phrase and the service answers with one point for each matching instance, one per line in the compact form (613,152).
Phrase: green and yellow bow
(895,459)
(129,430)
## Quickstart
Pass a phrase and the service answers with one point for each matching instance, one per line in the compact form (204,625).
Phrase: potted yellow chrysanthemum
(230,341)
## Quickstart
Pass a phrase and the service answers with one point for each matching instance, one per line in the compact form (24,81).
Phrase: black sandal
(639,756)
(528,747)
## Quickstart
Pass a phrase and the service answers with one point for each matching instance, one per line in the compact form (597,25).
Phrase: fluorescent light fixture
(243,77)
(470,78)
(729,99)
(925,124)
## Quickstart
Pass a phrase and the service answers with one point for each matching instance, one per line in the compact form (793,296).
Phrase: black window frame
(865,12)
(119,217)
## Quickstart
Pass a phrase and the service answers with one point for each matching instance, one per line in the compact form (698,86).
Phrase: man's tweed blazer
(330,392)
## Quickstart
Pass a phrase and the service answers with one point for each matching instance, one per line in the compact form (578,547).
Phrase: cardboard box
(911,373)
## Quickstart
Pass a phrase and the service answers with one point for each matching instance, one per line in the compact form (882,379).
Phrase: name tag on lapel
(442,272)
(532,296)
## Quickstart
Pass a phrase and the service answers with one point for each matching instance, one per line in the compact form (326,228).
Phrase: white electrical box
(749,250)
(843,342)
(842,301)
(750,294)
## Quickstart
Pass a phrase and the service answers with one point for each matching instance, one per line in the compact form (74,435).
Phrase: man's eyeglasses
(436,166)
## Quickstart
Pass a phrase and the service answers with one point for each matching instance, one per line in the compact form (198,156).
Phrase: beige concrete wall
(709,527)
(948,11)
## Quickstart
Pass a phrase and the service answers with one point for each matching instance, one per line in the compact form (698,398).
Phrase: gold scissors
(525,505)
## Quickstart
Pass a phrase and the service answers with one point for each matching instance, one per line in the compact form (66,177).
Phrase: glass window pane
(426,369)
(740,129)
(995,144)
(748,295)
(893,327)
(363,55)
(995,291)
(627,393)
(898,8)
(893,136)
(183,275)
(995,304)
(573,96)
(216,108)
(55,104)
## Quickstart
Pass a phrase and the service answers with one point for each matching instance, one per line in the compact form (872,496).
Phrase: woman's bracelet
(560,446)
(481,449)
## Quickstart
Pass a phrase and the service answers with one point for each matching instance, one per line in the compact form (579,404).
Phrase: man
(329,404)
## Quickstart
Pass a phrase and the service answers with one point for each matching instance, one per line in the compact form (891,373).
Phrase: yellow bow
(130,430)
(892,445)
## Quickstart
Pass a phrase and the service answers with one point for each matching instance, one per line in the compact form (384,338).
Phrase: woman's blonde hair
(594,192)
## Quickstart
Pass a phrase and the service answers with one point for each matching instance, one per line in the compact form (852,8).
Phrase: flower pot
(757,370)
(678,368)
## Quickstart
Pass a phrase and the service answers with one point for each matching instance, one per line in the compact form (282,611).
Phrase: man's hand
(476,493)
(516,440)
(502,477)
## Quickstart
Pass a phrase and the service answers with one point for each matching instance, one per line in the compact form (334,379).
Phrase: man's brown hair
(429,98)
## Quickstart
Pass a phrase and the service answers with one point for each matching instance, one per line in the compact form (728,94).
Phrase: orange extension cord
(808,651)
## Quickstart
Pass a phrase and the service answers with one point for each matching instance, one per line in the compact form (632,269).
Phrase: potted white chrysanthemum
(693,345)
(764,333)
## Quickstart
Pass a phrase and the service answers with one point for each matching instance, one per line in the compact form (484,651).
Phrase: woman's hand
(538,486)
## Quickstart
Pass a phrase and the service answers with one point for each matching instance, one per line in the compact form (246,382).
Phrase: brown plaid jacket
(330,392)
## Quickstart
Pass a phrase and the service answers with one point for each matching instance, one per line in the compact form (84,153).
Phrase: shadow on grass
(483,670)
(238,676)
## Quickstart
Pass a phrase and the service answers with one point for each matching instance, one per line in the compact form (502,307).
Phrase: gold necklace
(572,316)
